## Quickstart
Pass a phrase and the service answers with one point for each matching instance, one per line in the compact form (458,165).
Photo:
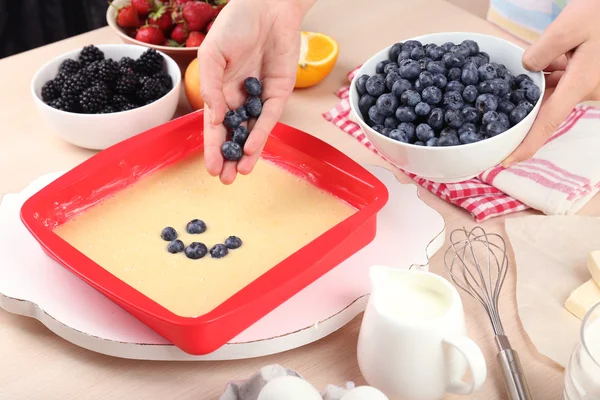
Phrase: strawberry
(143,7)
(195,39)
(150,34)
(127,17)
(210,24)
(197,15)
(180,33)
(161,18)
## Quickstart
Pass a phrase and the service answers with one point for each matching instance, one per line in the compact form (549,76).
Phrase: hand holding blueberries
(251,38)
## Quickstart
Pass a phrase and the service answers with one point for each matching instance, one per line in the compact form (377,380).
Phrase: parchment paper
(551,254)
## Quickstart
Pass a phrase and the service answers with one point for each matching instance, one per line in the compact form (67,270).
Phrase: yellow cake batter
(274,213)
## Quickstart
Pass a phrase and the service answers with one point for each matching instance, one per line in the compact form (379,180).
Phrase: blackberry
(89,54)
(60,80)
(108,109)
(151,90)
(126,83)
(121,102)
(128,106)
(165,79)
(149,63)
(108,70)
(94,99)
(50,91)
(69,66)
(58,104)
(127,63)
(72,89)
(91,70)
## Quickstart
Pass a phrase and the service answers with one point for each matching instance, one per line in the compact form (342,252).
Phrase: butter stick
(583,298)
(593,264)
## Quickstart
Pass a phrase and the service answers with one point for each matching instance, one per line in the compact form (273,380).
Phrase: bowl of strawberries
(175,27)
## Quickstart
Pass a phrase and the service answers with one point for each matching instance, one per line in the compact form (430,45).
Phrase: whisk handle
(514,378)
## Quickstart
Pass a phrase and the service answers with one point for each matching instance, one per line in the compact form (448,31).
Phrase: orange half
(318,55)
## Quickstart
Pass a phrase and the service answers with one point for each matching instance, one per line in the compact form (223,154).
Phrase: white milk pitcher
(413,342)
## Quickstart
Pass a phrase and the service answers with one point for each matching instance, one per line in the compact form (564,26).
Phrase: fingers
(271,112)
(560,64)
(214,137)
(553,78)
(212,70)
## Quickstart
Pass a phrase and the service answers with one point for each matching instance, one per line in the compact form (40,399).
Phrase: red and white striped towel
(562,177)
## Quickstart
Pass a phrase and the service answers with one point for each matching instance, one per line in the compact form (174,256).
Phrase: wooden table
(36,364)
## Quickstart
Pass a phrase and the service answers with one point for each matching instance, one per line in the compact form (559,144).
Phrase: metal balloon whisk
(478,264)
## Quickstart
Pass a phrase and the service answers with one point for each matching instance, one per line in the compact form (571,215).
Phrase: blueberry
(424,62)
(243,113)
(400,86)
(195,226)
(486,102)
(448,131)
(454,119)
(253,86)
(470,114)
(477,60)
(409,129)
(410,70)
(489,117)
(470,137)
(432,95)
(440,81)
(469,76)
(426,79)
(482,131)
(449,140)
(435,52)
(504,120)
(436,67)
(418,86)
(390,122)
(433,142)
(386,131)
(517,115)
(485,55)
(375,85)
(176,246)
(169,234)
(395,51)
(411,44)
(378,128)
(470,94)
(410,98)
(487,87)
(495,128)
(454,74)
(487,72)
(231,151)
(452,60)
(392,78)
(447,46)
(472,46)
(196,250)
(381,65)
(424,132)
(506,76)
(233,242)
(453,100)
(389,67)
(436,119)
(232,119)
(375,115)
(526,105)
(517,96)
(361,83)
(532,93)
(405,114)
(422,109)
(254,106)
(522,77)
(404,55)
(218,251)
(455,86)
(417,53)
(467,127)
(502,86)
(366,101)
(399,136)
(240,135)
(462,50)
(387,104)
(419,143)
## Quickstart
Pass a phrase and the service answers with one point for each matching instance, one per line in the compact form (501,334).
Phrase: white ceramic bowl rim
(70,54)
(474,36)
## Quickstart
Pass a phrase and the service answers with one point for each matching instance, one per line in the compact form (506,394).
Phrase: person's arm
(570,51)
(259,38)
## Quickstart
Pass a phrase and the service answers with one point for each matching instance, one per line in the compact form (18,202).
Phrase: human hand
(570,51)
(258,38)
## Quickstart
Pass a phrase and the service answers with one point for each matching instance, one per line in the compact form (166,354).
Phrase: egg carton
(249,389)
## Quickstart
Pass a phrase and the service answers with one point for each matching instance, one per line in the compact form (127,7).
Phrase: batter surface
(274,213)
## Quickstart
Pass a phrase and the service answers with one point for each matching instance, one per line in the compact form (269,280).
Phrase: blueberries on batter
(197,250)
(169,234)
(196,226)
(176,246)
(233,242)
(218,251)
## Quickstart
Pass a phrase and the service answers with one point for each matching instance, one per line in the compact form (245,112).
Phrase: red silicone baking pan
(121,165)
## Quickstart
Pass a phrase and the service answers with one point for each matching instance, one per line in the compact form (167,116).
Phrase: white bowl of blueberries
(447,106)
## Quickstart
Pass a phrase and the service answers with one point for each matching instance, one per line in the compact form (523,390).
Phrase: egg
(364,393)
(289,388)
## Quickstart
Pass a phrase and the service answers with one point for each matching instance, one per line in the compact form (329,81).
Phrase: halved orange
(318,55)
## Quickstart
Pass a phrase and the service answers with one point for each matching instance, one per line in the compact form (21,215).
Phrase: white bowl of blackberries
(99,95)
(447,106)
